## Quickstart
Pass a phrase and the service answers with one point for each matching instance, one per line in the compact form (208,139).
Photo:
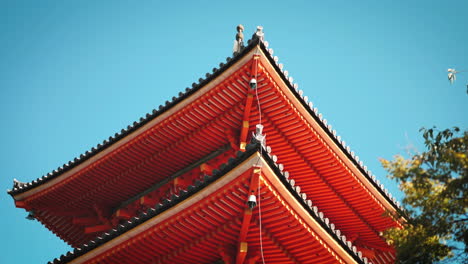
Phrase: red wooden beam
(248,106)
(183,181)
(254,180)
(206,168)
(245,224)
(85,221)
(148,201)
(245,122)
(123,214)
(96,229)
(22,204)
(244,230)
(242,252)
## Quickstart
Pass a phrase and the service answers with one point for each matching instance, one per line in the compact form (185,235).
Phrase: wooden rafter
(194,244)
(268,234)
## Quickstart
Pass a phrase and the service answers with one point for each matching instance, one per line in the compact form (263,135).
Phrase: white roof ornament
(259,136)
(259,33)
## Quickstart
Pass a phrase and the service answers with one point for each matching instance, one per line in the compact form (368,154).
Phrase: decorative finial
(259,33)
(239,42)
(258,136)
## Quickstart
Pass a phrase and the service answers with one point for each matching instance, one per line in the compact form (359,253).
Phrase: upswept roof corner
(327,127)
(223,169)
(313,210)
(20,187)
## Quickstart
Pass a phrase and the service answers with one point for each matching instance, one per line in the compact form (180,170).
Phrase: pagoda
(239,168)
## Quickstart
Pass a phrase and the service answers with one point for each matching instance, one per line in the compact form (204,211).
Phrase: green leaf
(435,184)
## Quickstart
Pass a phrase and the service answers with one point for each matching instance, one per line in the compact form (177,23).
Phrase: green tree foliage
(435,184)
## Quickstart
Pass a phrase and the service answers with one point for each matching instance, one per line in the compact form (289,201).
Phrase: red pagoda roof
(293,229)
(164,153)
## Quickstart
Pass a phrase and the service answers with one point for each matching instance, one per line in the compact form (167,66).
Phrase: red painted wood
(194,132)
(85,221)
(96,229)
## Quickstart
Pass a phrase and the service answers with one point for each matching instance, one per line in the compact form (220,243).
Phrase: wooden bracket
(148,201)
(205,168)
(123,214)
(22,204)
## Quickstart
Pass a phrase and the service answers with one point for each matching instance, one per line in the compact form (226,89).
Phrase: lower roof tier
(213,222)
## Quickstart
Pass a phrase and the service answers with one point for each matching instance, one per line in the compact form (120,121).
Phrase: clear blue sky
(72,73)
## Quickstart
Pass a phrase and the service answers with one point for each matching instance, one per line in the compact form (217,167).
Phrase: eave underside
(206,228)
(198,129)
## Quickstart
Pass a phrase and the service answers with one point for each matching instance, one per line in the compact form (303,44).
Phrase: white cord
(256,94)
(261,153)
(260,221)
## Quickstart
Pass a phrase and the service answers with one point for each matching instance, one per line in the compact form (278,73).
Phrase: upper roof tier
(219,112)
